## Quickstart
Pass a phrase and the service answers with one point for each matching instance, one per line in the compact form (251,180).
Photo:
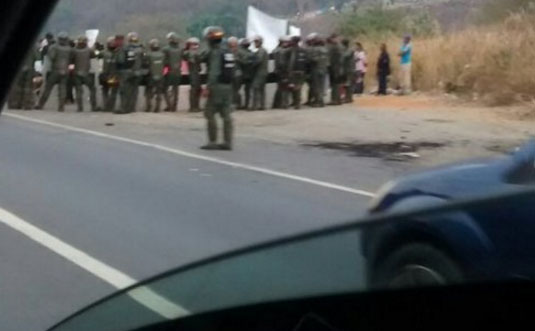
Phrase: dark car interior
(467,307)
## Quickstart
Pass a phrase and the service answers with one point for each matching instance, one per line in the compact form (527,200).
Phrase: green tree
(231,16)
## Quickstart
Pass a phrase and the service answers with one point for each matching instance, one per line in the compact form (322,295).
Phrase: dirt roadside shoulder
(420,129)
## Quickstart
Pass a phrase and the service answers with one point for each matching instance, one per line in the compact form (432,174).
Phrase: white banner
(96,64)
(295,31)
(92,36)
(268,27)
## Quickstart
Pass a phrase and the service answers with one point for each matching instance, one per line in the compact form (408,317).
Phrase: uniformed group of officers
(236,76)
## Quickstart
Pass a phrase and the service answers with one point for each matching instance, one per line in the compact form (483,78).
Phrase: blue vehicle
(480,243)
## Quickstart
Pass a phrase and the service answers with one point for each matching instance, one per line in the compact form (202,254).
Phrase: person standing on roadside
(21,95)
(405,55)
(155,58)
(297,60)
(81,57)
(108,78)
(173,61)
(320,65)
(233,46)
(246,59)
(361,67)
(260,76)
(130,61)
(349,64)
(383,70)
(60,57)
(192,55)
(278,57)
(335,68)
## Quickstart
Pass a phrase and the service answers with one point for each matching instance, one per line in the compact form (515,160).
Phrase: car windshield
(332,146)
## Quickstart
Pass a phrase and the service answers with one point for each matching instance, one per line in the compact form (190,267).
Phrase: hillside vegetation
(491,60)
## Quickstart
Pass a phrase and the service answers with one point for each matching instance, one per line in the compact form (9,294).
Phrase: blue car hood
(459,180)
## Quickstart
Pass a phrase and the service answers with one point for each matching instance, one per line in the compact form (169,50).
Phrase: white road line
(200,157)
(110,275)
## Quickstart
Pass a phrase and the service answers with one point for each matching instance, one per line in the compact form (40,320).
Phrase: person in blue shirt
(405,55)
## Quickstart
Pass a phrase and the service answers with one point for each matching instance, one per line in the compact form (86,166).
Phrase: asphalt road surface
(142,210)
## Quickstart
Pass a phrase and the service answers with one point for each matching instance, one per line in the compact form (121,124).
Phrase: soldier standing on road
(22,94)
(335,68)
(192,56)
(108,78)
(221,67)
(59,55)
(155,83)
(81,57)
(260,75)
(297,61)
(173,61)
(130,64)
(348,71)
(246,59)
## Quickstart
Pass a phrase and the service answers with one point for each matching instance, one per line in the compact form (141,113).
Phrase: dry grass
(495,64)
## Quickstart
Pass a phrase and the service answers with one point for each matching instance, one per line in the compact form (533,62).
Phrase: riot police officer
(320,65)
(155,82)
(81,57)
(246,59)
(260,75)
(335,68)
(130,64)
(109,81)
(297,60)
(233,46)
(173,61)
(221,69)
(193,57)
(59,56)
(21,95)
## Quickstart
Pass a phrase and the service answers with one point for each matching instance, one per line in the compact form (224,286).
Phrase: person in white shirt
(361,68)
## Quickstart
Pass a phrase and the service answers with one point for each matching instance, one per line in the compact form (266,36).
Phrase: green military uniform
(280,71)
(348,69)
(297,59)
(194,60)
(60,56)
(173,61)
(221,67)
(109,79)
(259,81)
(237,79)
(246,59)
(81,57)
(335,70)
(155,83)
(309,47)
(22,94)
(130,64)
(320,64)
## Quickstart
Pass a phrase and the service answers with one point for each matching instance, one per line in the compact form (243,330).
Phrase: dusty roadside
(419,129)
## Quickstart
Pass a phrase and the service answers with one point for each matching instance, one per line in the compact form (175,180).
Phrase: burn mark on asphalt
(394,151)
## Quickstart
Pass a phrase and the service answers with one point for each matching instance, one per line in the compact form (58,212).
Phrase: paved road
(138,209)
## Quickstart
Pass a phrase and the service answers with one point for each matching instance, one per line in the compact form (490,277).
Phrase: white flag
(268,27)
(92,36)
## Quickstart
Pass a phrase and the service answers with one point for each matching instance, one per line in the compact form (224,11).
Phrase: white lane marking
(110,275)
(200,157)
